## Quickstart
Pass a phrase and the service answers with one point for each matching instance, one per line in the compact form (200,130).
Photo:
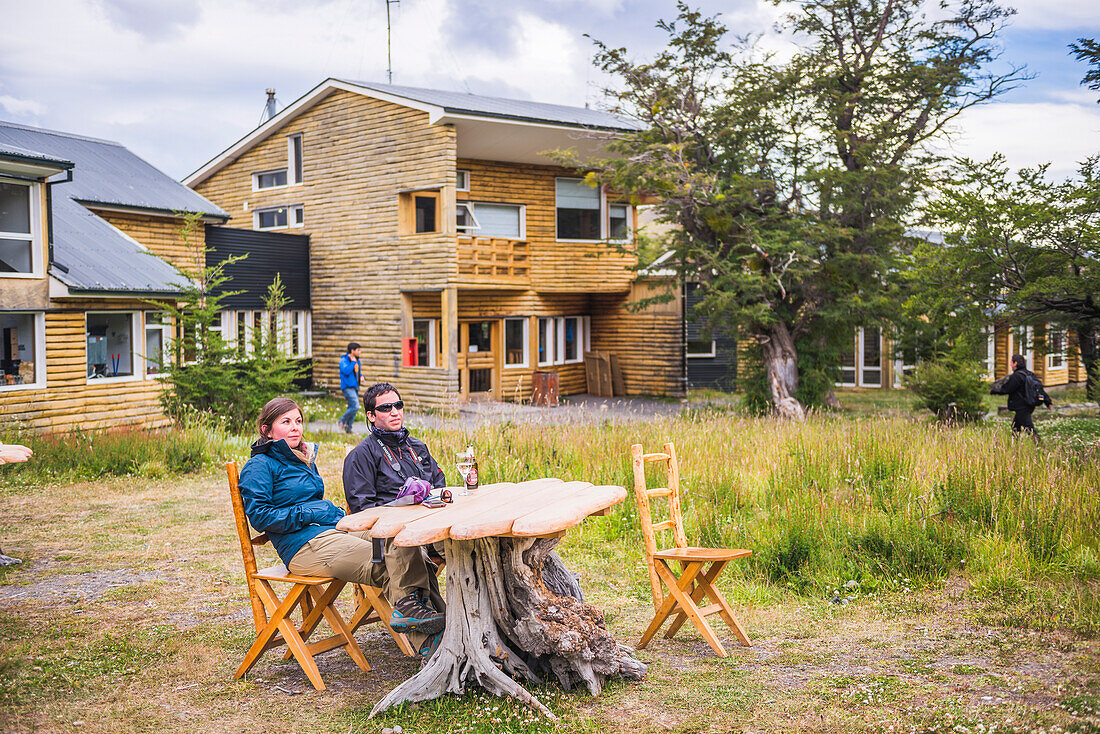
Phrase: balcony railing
(493,260)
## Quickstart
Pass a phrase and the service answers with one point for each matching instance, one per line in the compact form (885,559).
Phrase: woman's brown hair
(270,412)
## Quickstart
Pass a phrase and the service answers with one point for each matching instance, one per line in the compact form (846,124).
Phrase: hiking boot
(411,614)
(427,650)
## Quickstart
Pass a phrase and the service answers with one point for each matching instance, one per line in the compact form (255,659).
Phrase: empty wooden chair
(313,595)
(699,566)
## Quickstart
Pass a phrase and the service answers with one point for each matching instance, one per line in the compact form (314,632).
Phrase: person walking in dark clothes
(1025,394)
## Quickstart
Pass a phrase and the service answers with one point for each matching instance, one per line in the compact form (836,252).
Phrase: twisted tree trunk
(781,367)
(515,611)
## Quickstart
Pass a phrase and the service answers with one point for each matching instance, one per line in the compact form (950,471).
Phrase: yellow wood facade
(375,280)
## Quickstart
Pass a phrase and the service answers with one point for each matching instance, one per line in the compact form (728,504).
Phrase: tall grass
(879,501)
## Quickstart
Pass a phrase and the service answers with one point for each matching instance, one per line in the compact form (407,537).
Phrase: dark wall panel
(268,253)
(720,371)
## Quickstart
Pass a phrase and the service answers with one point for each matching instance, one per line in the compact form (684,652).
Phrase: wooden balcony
(489,261)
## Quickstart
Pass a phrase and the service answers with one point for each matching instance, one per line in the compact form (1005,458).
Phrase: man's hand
(13,453)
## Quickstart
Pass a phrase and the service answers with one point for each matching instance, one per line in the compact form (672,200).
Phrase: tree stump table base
(514,612)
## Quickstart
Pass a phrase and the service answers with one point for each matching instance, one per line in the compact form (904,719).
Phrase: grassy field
(905,577)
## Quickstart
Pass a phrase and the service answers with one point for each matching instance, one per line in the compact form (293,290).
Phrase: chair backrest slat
(642,496)
(244,535)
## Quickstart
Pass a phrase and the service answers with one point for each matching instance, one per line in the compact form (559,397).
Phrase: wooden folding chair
(699,566)
(371,606)
(314,595)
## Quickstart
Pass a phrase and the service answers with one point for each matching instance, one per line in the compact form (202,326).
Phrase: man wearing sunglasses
(375,472)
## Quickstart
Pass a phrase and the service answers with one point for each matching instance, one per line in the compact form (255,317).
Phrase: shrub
(952,390)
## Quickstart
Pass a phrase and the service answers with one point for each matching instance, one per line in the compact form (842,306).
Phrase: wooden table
(513,609)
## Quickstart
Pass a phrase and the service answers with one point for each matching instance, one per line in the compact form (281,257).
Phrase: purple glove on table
(413,492)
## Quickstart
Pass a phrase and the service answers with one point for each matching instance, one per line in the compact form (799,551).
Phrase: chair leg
(726,612)
(677,591)
(701,586)
(340,627)
(275,623)
(316,603)
(298,646)
(670,602)
(368,600)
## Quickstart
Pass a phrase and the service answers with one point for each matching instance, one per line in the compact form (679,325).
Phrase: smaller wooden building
(89,238)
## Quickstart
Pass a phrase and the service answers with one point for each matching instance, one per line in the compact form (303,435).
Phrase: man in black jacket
(1016,388)
(375,472)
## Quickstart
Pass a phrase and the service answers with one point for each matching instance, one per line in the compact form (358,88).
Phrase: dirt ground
(130,614)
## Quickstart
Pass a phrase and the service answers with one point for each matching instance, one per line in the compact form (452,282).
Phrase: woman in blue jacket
(284,496)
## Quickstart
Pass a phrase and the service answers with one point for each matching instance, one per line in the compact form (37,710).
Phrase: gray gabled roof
(90,255)
(16,153)
(107,173)
(460,103)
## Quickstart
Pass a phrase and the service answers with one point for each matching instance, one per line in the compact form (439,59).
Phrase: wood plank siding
(161,234)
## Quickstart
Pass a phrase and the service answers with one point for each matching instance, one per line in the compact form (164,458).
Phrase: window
(425,213)
(516,342)
(481,336)
(300,341)
(294,157)
(157,333)
(22,350)
(618,222)
(701,349)
(563,339)
(110,345)
(499,220)
(465,221)
(1056,348)
(19,253)
(418,212)
(279,217)
(268,179)
(871,362)
(578,210)
(424,332)
(462,180)
(848,361)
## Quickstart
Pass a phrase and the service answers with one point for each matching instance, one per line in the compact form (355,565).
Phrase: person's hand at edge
(13,453)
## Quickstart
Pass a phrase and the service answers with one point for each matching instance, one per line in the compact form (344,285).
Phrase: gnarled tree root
(515,612)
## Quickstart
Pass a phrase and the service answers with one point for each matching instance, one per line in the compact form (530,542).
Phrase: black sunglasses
(387,407)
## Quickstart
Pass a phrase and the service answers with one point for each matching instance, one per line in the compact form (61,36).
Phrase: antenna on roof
(389,58)
(269,107)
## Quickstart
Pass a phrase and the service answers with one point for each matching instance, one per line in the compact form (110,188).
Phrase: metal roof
(107,173)
(90,255)
(460,103)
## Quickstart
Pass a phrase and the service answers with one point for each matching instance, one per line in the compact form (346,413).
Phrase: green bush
(952,390)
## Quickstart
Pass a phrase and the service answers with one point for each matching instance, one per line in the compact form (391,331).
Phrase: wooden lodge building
(89,236)
(446,241)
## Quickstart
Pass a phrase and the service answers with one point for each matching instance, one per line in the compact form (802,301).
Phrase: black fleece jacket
(370,478)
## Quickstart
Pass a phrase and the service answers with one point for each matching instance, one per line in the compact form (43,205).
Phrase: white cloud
(20,107)
(1030,134)
(1057,14)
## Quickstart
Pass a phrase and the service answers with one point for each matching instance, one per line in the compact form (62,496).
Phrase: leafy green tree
(269,372)
(789,181)
(1088,50)
(1015,245)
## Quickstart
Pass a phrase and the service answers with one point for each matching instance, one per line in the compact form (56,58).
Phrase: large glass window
(515,342)
(570,339)
(499,220)
(578,210)
(22,350)
(110,345)
(563,339)
(871,372)
(16,240)
(1056,348)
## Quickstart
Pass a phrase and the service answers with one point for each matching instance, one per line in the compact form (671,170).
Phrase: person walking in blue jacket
(350,374)
(284,496)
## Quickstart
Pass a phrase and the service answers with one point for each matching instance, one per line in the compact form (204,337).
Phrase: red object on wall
(410,348)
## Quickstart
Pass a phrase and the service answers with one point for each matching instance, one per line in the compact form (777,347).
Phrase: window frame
(460,173)
(406,211)
(471,206)
(40,374)
(34,195)
(701,355)
(166,348)
(292,210)
(629,218)
(556,343)
(601,212)
(1062,355)
(256,179)
(526,340)
(433,339)
(861,358)
(137,326)
(295,159)
(464,230)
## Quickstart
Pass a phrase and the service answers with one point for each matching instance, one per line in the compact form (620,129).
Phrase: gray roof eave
(221,215)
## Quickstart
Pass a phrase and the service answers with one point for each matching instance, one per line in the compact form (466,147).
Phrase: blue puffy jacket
(348,378)
(285,498)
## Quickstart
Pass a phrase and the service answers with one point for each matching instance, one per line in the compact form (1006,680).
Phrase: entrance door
(478,359)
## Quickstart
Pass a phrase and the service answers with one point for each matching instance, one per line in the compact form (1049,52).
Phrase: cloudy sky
(177,81)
